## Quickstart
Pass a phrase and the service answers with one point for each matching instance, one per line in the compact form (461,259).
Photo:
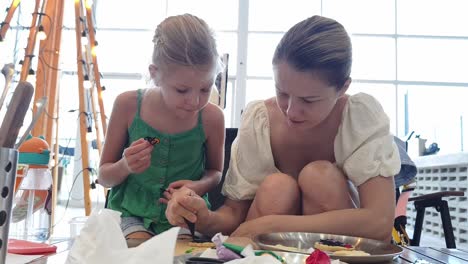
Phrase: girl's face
(185,90)
(303,97)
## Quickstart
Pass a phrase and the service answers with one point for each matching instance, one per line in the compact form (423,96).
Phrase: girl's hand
(137,157)
(261,225)
(175,186)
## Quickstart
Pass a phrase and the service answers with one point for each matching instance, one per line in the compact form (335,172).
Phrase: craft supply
(238,249)
(152,140)
(191,227)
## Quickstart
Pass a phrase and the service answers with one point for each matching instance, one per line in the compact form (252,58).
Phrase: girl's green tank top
(176,157)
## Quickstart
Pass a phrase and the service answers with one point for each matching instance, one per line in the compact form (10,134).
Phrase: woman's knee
(277,194)
(318,173)
(332,183)
(278,182)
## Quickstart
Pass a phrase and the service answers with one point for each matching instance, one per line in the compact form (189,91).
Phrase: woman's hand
(137,157)
(185,203)
(251,228)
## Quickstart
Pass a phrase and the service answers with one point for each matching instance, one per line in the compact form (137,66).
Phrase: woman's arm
(226,219)
(373,220)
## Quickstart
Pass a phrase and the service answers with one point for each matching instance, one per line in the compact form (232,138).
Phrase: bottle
(31,212)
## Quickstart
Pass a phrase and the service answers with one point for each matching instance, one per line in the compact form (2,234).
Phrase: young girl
(297,153)
(167,137)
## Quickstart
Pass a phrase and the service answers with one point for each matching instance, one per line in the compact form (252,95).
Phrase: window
(414,62)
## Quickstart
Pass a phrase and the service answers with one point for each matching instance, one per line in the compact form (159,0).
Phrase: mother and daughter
(310,159)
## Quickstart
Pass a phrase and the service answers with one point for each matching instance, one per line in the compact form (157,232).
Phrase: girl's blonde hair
(184,40)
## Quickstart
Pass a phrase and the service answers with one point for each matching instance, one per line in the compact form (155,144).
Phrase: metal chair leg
(420,211)
(446,224)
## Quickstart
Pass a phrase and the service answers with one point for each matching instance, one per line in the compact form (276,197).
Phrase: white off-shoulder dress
(363,147)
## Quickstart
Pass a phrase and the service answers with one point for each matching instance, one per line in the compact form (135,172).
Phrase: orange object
(35,153)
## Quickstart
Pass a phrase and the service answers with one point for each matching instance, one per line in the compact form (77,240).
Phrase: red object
(318,257)
(24,247)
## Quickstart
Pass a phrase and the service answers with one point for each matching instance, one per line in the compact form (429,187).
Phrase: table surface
(409,255)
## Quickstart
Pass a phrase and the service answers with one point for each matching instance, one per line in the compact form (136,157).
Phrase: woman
(311,159)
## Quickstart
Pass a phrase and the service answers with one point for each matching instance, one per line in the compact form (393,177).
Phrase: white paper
(20,259)
(101,241)
(264,259)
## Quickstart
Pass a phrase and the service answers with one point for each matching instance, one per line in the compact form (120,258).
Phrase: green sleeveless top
(178,156)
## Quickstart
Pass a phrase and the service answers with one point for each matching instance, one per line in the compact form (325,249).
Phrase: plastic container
(31,212)
(76,224)
(31,215)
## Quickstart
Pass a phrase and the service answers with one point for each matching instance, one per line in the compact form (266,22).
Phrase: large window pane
(266,15)
(433,60)
(68,108)
(124,51)
(432,17)
(227,43)
(229,103)
(384,93)
(438,114)
(125,14)
(69,99)
(219,14)
(259,90)
(373,58)
(114,87)
(68,14)
(363,16)
(260,53)
(68,59)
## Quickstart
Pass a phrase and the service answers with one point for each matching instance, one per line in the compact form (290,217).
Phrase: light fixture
(31,76)
(89,137)
(89,4)
(94,48)
(87,83)
(41,35)
(84,38)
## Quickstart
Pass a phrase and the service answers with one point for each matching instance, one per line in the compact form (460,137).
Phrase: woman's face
(303,97)
(185,90)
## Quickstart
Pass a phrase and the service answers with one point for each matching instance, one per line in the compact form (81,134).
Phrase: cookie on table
(331,245)
(350,253)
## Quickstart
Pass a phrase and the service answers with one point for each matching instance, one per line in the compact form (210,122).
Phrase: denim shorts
(133,224)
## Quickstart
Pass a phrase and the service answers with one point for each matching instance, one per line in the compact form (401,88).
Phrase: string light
(94,49)
(31,76)
(88,4)
(41,35)
(87,83)
(84,38)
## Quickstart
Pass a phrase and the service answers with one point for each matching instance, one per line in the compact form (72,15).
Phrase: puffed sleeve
(364,147)
(251,156)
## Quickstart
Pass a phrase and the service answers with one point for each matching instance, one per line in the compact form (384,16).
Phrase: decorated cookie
(331,245)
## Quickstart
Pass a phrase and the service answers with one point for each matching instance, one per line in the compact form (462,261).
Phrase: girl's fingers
(134,149)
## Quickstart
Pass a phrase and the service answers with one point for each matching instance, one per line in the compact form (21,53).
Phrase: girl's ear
(153,70)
